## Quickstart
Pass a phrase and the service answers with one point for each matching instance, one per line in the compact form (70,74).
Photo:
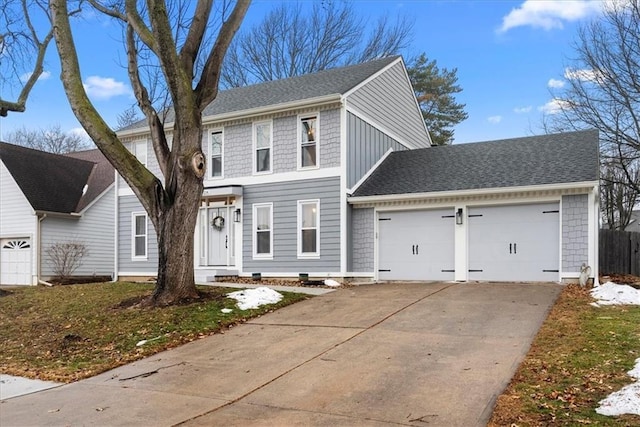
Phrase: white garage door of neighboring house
(416,245)
(15,261)
(514,243)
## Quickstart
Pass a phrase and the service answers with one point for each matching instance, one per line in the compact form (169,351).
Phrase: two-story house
(293,172)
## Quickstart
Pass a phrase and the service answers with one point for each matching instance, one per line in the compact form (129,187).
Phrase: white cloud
(494,119)
(44,76)
(554,106)
(548,15)
(584,74)
(555,84)
(523,110)
(105,87)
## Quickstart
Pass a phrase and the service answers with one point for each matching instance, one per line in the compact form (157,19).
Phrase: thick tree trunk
(175,226)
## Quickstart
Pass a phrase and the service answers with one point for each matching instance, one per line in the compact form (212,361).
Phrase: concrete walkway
(391,354)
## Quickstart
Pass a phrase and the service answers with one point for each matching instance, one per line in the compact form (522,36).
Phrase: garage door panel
(514,243)
(416,245)
(15,261)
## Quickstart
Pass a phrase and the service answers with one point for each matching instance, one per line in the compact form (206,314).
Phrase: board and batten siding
(365,146)
(285,197)
(389,101)
(94,229)
(575,232)
(126,206)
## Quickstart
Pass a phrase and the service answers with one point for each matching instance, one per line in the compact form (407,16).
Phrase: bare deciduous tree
(175,44)
(52,139)
(127,117)
(66,257)
(22,51)
(305,37)
(617,199)
(603,93)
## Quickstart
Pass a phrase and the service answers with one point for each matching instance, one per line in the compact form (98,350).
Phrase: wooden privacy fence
(619,252)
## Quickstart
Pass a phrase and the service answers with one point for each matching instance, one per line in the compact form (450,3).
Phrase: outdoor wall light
(237,215)
(459,216)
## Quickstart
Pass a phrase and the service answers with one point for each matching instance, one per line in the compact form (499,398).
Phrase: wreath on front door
(218,223)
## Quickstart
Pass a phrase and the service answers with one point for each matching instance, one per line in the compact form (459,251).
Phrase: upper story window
(263,145)
(308,228)
(308,142)
(263,230)
(139,149)
(215,153)
(138,235)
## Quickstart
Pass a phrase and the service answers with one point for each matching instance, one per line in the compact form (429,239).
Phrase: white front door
(416,245)
(514,243)
(216,237)
(15,261)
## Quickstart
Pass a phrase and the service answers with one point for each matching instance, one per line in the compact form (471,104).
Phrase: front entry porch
(217,238)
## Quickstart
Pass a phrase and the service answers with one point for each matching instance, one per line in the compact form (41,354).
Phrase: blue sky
(507,53)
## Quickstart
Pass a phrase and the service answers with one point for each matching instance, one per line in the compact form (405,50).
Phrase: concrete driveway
(386,354)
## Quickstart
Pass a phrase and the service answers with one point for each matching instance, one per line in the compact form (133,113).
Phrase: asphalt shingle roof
(327,82)
(54,183)
(537,160)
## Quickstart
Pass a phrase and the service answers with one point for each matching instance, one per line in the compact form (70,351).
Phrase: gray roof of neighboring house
(335,81)
(537,160)
(53,182)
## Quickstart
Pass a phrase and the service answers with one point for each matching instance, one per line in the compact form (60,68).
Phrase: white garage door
(15,261)
(514,243)
(416,245)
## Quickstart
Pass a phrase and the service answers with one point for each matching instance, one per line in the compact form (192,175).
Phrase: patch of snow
(254,298)
(226,310)
(613,294)
(332,283)
(624,401)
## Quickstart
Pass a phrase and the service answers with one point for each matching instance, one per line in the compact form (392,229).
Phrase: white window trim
(301,254)
(255,148)
(299,141)
(254,231)
(135,257)
(144,142)
(210,149)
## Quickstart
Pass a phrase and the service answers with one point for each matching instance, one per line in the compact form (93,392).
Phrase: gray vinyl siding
(575,232)
(126,206)
(238,144)
(361,240)
(389,100)
(94,229)
(285,197)
(365,146)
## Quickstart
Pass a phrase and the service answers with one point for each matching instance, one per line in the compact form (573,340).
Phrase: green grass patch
(580,356)
(66,333)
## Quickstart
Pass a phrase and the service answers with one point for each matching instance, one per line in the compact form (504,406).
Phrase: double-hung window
(309,228)
(263,145)
(138,235)
(263,230)
(308,142)
(215,153)
(139,149)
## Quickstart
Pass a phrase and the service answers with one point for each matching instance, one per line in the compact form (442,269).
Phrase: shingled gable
(537,160)
(335,81)
(52,182)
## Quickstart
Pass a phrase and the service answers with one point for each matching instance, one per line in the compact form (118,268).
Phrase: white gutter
(232,115)
(587,185)
(39,254)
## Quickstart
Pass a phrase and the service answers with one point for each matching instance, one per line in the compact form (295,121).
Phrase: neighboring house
(332,175)
(48,198)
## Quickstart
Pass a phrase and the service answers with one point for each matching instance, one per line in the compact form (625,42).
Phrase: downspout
(39,254)
(115,229)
